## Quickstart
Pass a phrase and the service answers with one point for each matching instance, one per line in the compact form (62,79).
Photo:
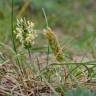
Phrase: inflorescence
(25,33)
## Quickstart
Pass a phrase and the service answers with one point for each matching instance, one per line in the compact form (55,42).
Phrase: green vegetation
(47,47)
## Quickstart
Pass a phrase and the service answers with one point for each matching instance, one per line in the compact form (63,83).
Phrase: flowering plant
(25,33)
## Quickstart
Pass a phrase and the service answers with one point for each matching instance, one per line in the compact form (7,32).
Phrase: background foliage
(74,22)
(76,18)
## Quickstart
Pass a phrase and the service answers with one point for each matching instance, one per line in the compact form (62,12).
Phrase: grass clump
(32,77)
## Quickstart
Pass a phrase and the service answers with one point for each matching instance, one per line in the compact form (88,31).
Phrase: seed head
(54,44)
(25,32)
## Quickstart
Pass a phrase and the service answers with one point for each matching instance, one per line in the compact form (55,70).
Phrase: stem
(13,41)
(29,53)
(45,16)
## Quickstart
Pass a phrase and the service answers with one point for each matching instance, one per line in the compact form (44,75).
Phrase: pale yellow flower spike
(25,32)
